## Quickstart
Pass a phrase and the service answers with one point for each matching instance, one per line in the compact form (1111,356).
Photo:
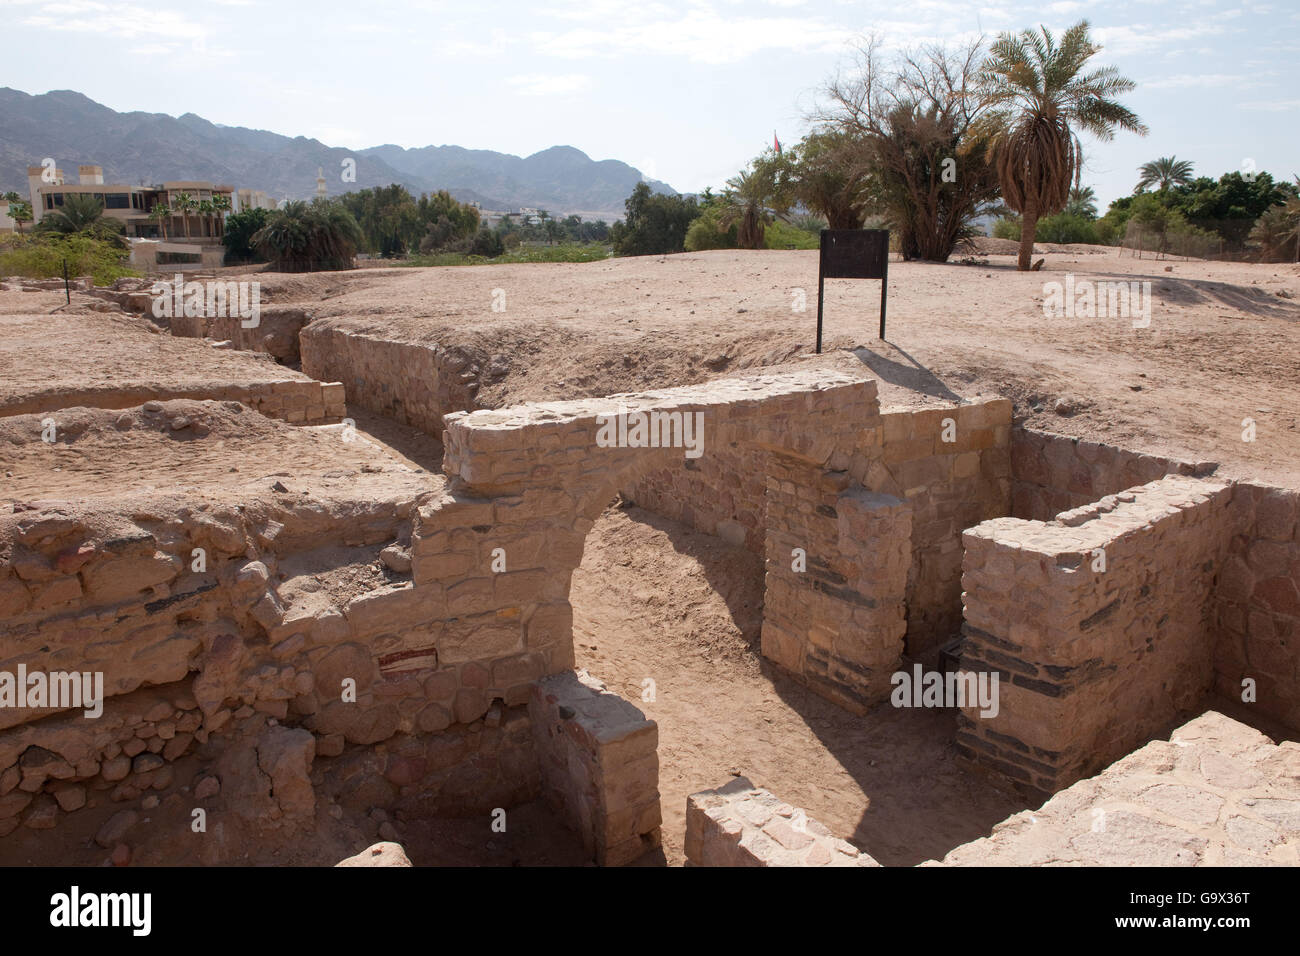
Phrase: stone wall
(1216,793)
(413,383)
(949,485)
(599,765)
(722,493)
(1054,473)
(276,333)
(1257,602)
(1098,624)
(837,562)
(298,401)
(742,825)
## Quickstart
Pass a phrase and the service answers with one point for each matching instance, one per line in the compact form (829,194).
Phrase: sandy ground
(656,601)
(1221,345)
(100,455)
(81,354)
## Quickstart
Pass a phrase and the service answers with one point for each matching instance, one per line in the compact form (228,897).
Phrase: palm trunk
(1028,226)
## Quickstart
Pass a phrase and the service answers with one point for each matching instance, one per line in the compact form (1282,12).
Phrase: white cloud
(1184,80)
(1272,106)
(701,35)
(548,84)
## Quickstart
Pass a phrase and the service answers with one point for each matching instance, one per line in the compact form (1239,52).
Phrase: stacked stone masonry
(1257,602)
(599,764)
(1216,793)
(297,401)
(1097,623)
(742,825)
(413,383)
(1054,473)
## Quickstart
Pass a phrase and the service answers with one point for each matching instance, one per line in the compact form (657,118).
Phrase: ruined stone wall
(948,486)
(721,493)
(413,383)
(599,764)
(1257,602)
(743,825)
(298,401)
(1054,473)
(1216,793)
(1093,658)
(837,561)
(276,333)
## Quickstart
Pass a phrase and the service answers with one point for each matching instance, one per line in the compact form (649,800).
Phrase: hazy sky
(685,91)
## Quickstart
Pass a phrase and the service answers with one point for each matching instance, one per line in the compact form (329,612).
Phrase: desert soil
(1222,345)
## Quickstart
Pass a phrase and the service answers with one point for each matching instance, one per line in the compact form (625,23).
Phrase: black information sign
(853,254)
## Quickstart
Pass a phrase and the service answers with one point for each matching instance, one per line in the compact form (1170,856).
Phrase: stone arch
(493,556)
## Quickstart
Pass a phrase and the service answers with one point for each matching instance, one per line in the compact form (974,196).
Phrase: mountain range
(140,147)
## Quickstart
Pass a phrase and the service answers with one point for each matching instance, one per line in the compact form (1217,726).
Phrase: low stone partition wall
(951,465)
(1257,603)
(1098,624)
(1053,473)
(722,494)
(953,468)
(412,382)
(1216,793)
(297,401)
(742,825)
(599,765)
(277,331)
(834,612)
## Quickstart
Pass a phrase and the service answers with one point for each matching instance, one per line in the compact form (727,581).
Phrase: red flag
(776,142)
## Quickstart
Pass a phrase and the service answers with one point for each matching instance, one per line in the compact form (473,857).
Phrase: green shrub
(570,252)
(1063,228)
(42,256)
(1007,229)
(706,233)
(782,235)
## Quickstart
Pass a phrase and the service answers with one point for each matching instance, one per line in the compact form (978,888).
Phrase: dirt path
(653,600)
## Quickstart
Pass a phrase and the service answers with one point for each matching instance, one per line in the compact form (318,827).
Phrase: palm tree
(161,213)
(185,204)
(305,238)
(79,213)
(221,202)
(1165,172)
(744,201)
(1277,229)
(207,209)
(1040,97)
(1082,203)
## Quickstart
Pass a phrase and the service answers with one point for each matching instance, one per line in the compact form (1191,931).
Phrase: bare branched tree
(918,148)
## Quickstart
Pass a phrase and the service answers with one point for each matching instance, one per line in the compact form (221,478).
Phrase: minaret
(320,183)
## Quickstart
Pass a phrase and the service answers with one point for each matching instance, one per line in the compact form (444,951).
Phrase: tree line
(927,142)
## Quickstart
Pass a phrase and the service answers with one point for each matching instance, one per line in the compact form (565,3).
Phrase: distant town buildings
(185,237)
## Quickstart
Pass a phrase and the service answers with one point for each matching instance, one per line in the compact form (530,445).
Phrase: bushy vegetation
(42,257)
(238,237)
(656,223)
(313,237)
(564,252)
